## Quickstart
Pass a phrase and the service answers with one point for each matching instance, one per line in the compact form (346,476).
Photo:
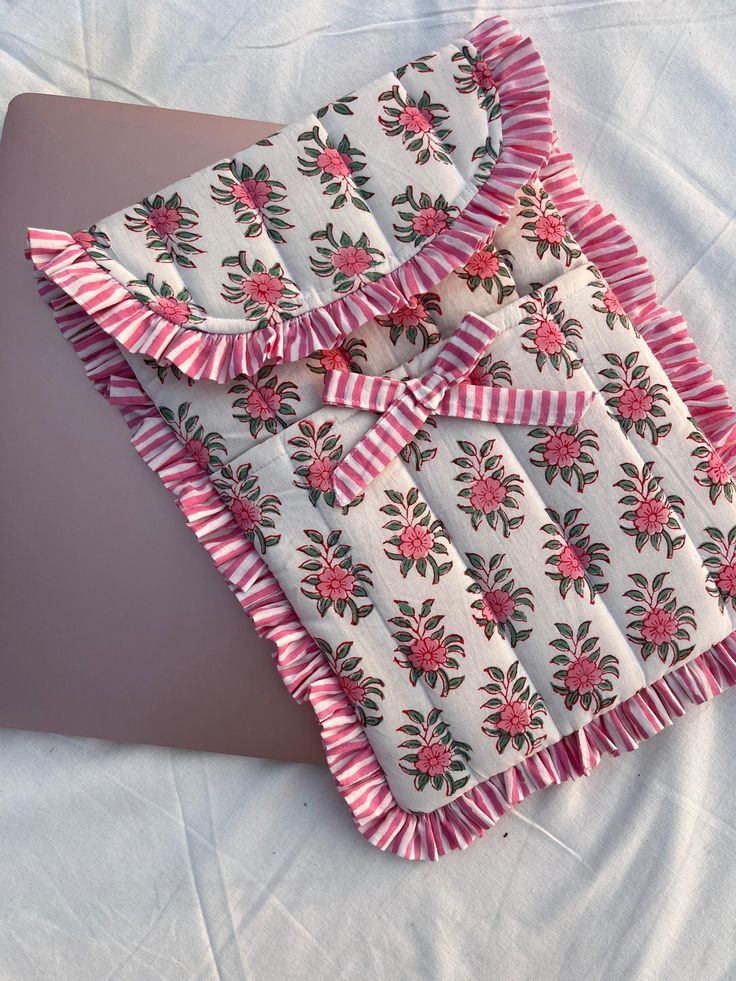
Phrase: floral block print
(651,517)
(254,511)
(345,262)
(176,307)
(421,125)
(552,337)
(491,493)
(660,625)
(517,714)
(256,199)
(487,153)
(474,75)
(341,107)
(317,450)
(564,452)
(348,355)
(421,217)
(334,581)
(264,402)
(206,449)
(584,674)
(545,227)
(418,542)
(491,269)
(574,561)
(164,371)
(490,372)
(416,320)
(420,65)
(719,558)
(608,303)
(361,689)
(500,603)
(337,168)
(710,470)
(168,227)
(434,759)
(94,241)
(267,295)
(416,452)
(425,649)
(634,401)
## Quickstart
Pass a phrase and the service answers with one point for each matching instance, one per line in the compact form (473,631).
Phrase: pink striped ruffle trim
(308,677)
(606,242)
(523,91)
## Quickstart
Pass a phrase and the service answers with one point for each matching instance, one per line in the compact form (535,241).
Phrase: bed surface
(143,863)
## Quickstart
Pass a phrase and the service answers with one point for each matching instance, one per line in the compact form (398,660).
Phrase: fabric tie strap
(406,405)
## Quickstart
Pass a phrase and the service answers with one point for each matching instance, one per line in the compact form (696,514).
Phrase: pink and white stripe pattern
(406,405)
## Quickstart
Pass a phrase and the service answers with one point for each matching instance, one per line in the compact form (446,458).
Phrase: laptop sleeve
(414,393)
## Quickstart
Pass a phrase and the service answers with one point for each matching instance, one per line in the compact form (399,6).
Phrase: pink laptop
(113,620)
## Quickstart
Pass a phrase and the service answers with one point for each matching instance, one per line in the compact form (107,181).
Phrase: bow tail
(517,406)
(381,444)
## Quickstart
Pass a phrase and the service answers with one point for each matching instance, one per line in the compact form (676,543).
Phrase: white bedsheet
(138,863)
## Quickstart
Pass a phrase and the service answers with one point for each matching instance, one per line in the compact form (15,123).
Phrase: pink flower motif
(319,474)
(351,260)
(515,717)
(335,583)
(658,626)
(334,163)
(479,375)
(246,513)
(429,221)
(717,471)
(171,309)
(84,239)
(482,263)
(427,654)
(652,516)
(164,221)
(550,229)
(416,542)
(199,451)
(574,560)
(251,192)
(726,579)
(415,120)
(482,75)
(264,288)
(561,450)
(487,494)
(498,605)
(262,403)
(583,675)
(548,338)
(409,315)
(354,691)
(634,404)
(334,358)
(433,759)
(612,303)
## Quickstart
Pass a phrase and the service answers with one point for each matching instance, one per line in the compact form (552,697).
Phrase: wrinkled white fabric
(142,863)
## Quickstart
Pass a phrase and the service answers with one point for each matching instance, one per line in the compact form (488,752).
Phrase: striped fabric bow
(406,405)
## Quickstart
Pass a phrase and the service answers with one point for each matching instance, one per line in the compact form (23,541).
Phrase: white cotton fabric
(138,863)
